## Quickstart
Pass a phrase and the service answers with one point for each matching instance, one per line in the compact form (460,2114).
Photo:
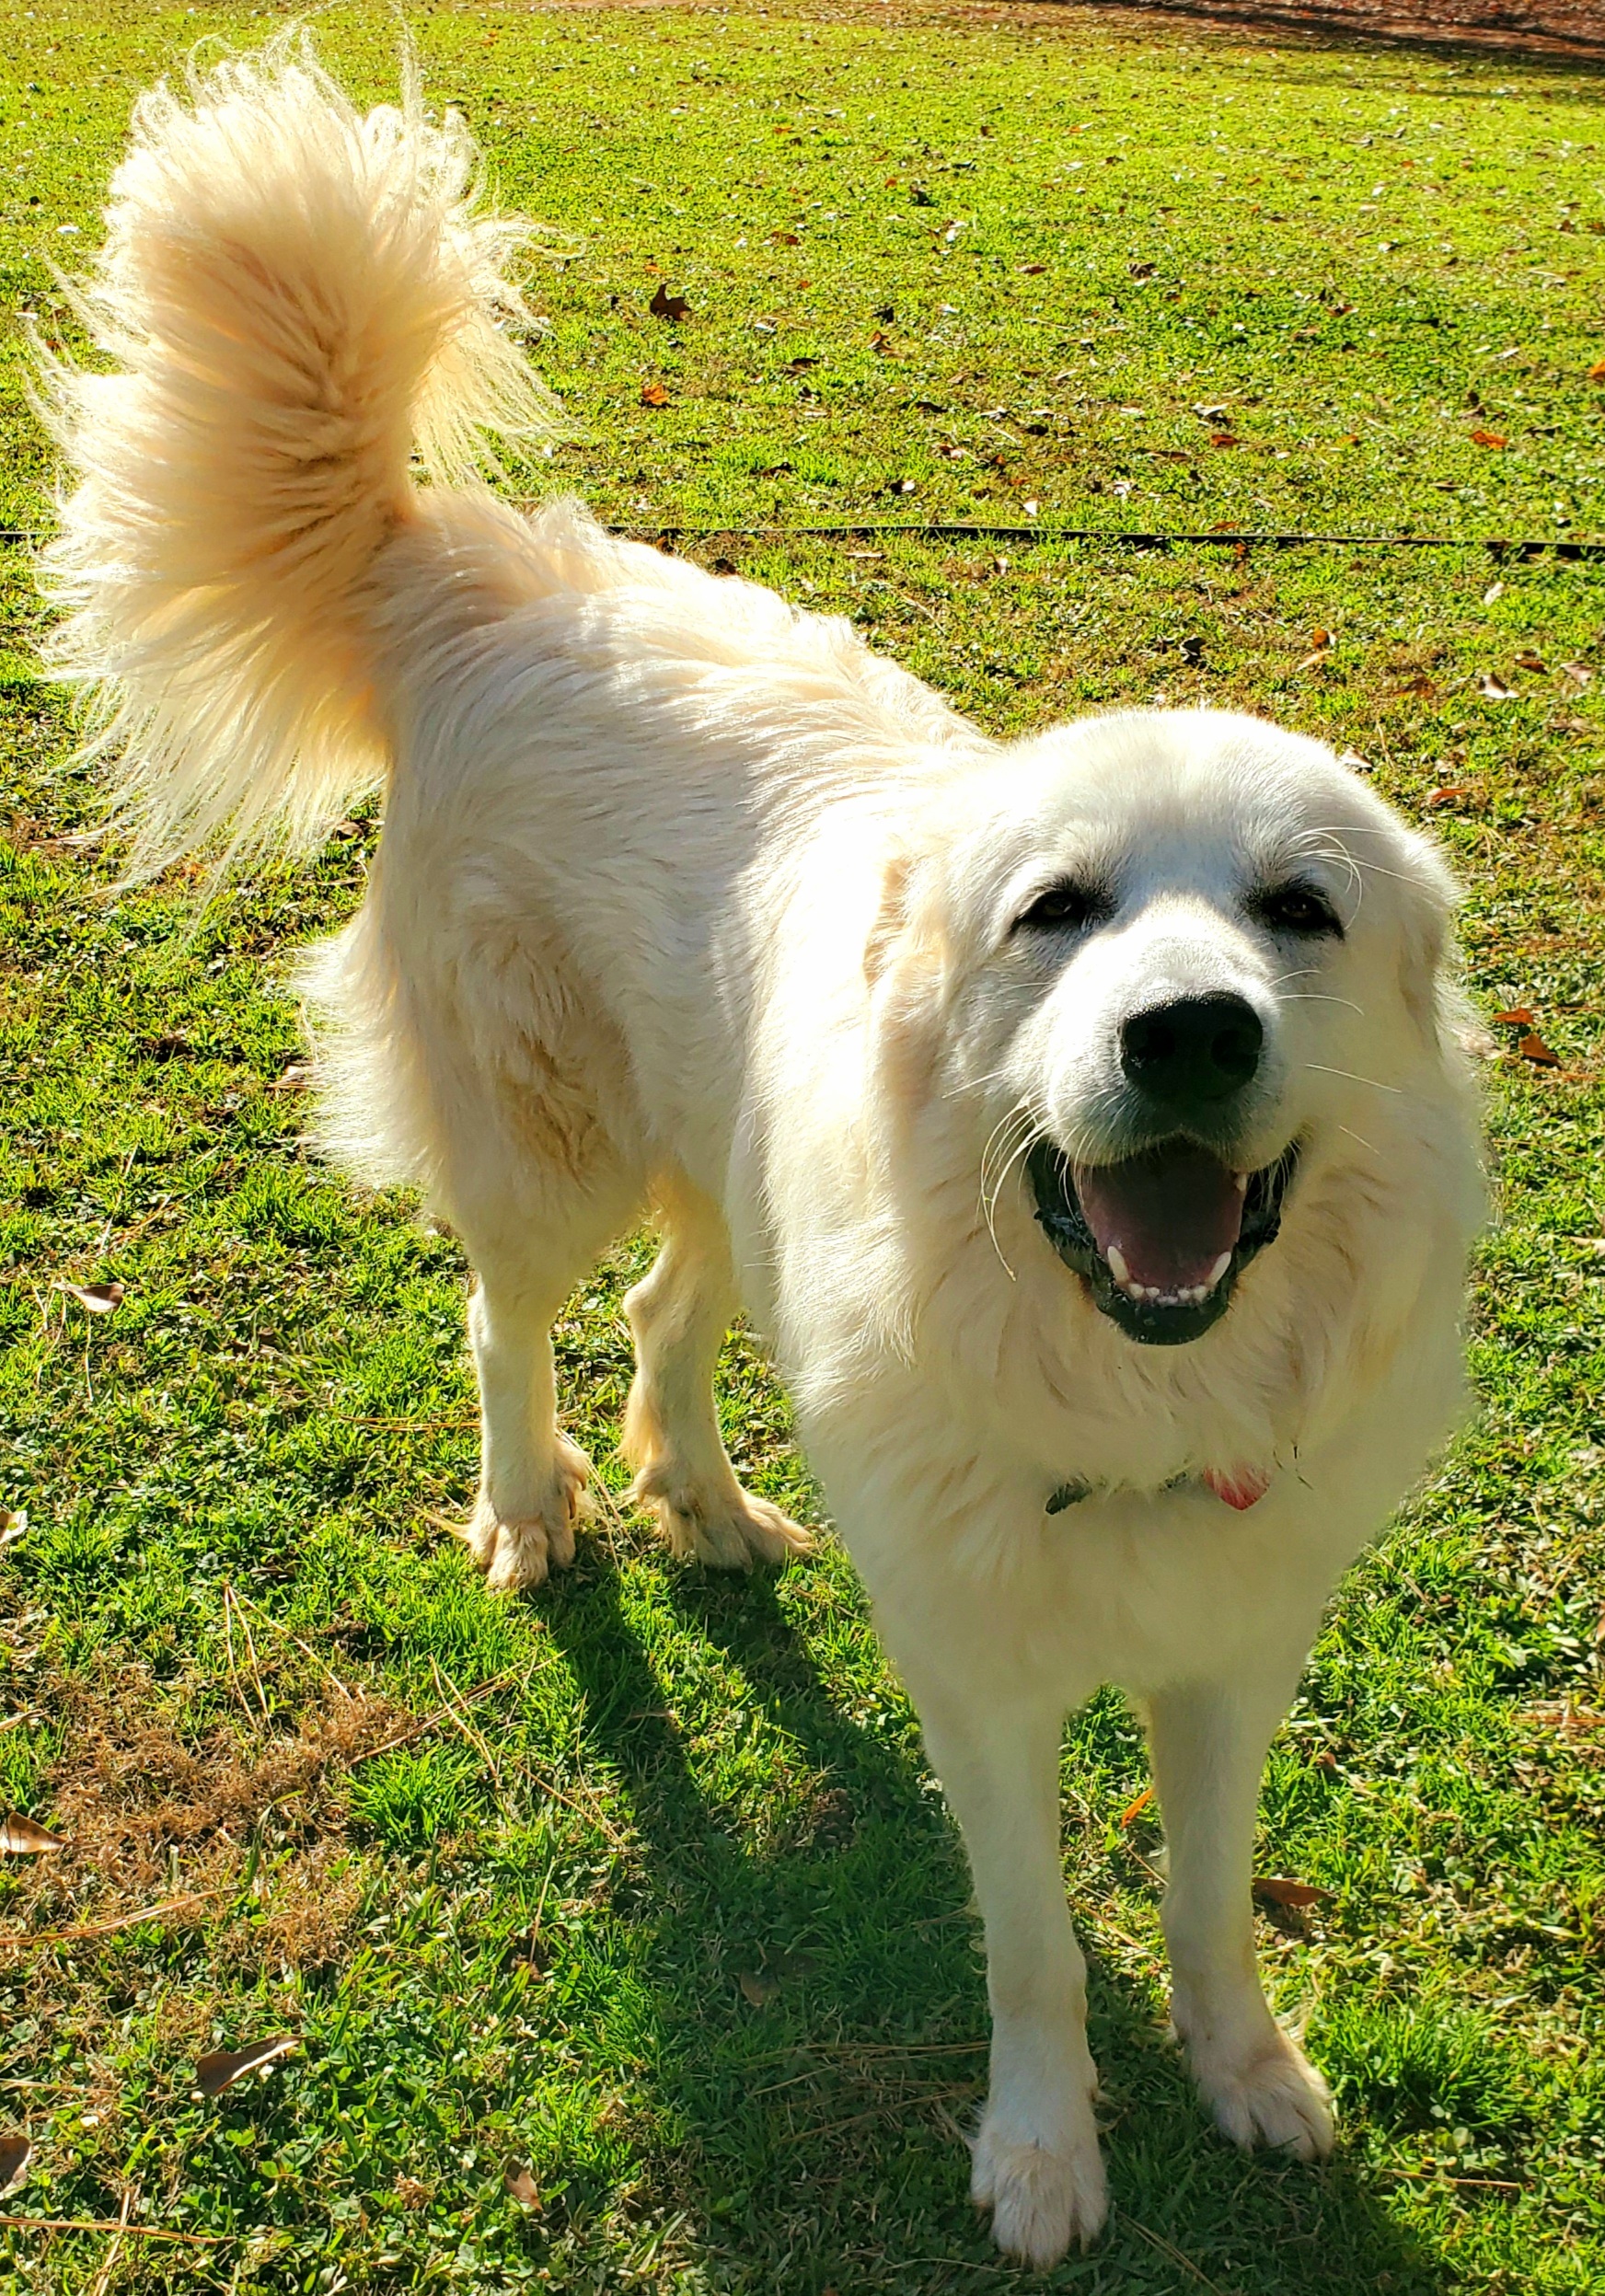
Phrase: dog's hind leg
(1208,1743)
(531,1478)
(680,1313)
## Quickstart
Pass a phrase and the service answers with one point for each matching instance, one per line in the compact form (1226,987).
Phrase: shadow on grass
(1565,36)
(820,2010)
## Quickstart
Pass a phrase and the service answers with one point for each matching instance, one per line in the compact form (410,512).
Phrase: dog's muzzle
(1161,1238)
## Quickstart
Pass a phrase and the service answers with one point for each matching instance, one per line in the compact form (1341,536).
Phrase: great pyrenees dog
(1084,1120)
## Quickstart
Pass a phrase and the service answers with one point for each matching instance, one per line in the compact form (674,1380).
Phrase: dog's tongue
(1170,1215)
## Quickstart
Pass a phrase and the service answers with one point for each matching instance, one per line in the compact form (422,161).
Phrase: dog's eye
(1066,907)
(1297,909)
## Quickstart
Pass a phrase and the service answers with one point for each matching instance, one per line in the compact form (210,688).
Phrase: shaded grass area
(642,1882)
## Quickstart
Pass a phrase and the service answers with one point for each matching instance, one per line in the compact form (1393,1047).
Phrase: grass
(641,1884)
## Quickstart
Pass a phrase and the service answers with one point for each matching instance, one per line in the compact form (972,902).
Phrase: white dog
(1084,1119)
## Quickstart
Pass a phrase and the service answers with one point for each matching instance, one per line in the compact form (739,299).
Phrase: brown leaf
(98,1299)
(1527,660)
(785,238)
(1274,1890)
(1320,638)
(654,394)
(13,1523)
(519,2182)
(1597,372)
(759,1990)
(1030,270)
(1494,688)
(1489,438)
(15,2154)
(21,1838)
(663,306)
(1449,794)
(1135,1808)
(1224,438)
(221,2067)
(1577,674)
(1532,1047)
(1518,1017)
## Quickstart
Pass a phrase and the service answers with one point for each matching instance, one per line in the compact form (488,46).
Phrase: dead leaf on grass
(1532,1047)
(1527,660)
(1224,438)
(1135,1808)
(663,306)
(96,1298)
(220,2069)
(13,1523)
(654,394)
(1577,674)
(1449,793)
(1518,1017)
(1493,439)
(759,1990)
(1273,1890)
(1493,688)
(15,2154)
(519,2182)
(785,238)
(20,1838)
(1030,270)
(1597,372)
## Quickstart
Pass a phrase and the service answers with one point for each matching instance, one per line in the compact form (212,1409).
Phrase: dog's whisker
(1363,1141)
(1376,1085)
(1321,997)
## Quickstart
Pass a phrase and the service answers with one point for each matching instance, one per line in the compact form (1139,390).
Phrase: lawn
(621,1930)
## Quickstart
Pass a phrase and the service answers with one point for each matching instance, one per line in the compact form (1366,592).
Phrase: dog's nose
(1194,1053)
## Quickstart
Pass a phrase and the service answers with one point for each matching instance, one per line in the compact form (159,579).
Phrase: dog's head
(1163,963)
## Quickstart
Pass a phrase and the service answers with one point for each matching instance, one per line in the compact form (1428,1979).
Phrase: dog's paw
(1041,2196)
(514,1552)
(1266,2095)
(730,1529)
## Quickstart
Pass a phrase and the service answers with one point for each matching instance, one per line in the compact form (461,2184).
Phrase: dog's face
(1178,951)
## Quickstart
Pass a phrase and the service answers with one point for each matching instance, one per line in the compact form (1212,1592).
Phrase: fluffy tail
(297,301)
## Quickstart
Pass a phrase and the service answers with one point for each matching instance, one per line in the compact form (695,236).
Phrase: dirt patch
(235,1818)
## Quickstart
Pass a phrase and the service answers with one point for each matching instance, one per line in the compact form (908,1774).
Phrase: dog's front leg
(1037,2165)
(1209,1743)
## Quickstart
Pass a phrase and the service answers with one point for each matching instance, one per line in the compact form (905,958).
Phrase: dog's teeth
(1117,1267)
(1218,1271)
(1239,1181)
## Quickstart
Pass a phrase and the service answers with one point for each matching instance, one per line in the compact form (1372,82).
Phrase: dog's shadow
(820,2005)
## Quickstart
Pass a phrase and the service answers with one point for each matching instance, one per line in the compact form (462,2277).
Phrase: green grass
(642,1881)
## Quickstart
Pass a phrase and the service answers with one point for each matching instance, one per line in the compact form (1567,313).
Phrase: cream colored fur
(687,898)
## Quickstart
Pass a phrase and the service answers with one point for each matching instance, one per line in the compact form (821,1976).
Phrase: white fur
(689,899)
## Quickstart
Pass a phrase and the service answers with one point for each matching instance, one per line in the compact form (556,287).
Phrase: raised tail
(298,301)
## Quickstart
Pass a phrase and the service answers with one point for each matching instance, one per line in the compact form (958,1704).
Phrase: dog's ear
(1427,902)
(906,968)
(891,915)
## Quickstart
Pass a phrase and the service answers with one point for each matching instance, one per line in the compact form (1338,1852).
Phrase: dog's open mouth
(1161,1238)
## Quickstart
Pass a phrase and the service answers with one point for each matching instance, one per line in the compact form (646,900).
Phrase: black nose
(1194,1053)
